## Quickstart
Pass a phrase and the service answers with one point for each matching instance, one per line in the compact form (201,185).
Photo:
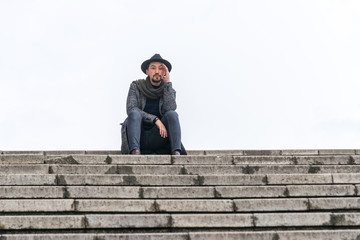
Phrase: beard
(156,80)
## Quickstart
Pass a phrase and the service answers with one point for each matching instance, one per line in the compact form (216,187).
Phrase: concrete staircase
(241,194)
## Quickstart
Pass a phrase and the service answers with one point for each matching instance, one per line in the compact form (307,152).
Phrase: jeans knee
(171,115)
(134,115)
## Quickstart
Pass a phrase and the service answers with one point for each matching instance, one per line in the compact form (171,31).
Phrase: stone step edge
(179,205)
(200,152)
(178,180)
(183,221)
(246,235)
(180,160)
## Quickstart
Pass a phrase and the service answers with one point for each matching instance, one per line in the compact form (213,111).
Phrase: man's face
(156,73)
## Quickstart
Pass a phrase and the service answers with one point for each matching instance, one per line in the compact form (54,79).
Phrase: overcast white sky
(248,74)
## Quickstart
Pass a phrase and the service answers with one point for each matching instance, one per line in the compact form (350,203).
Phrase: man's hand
(162,128)
(165,73)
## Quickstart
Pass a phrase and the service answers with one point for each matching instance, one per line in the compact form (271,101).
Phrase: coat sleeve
(169,98)
(134,103)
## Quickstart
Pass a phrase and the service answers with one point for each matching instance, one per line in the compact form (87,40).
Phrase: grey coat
(137,101)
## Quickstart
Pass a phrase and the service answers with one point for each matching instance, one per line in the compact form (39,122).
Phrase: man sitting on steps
(152,125)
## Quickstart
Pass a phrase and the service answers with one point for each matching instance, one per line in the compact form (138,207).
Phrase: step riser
(98,221)
(177,169)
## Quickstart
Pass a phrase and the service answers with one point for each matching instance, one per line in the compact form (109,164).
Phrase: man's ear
(147,72)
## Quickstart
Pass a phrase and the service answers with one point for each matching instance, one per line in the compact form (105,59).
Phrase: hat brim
(145,65)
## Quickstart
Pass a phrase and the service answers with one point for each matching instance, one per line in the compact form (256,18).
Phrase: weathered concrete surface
(100,159)
(279,235)
(346,178)
(37,205)
(97,236)
(244,169)
(233,235)
(261,152)
(299,179)
(143,159)
(334,203)
(115,205)
(27,179)
(195,205)
(233,179)
(297,160)
(101,192)
(224,152)
(22,152)
(63,153)
(265,205)
(322,160)
(213,169)
(89,159)
(24,169)
(268,160)
(21,158)
(208,159)
(117,169)
(195,152)
(31,192)
(211,220)
(88,179)
(250,191)
(178,192)
(269,169)
(320,190)
(334,169)
(299,152)
(336,151)
(306,219)
(319,235)
(41,222)
(103,152)
(128,221)
(127,180)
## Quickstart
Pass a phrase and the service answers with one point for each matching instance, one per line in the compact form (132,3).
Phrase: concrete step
(176,160)
(174,169)
(176,192)
(98,236)
(278,235)
(61,152)
(353,234)
(298,160)
(108,159)
(22,159)
(268,169)
(205,152)
(341,190)
(24,169)
(178,180)
(178,205)
(49,192)
(117,169)
(194,220)
(173,180)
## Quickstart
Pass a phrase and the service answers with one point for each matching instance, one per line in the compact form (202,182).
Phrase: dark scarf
(149,90)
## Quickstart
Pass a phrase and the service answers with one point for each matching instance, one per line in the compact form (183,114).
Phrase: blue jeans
(150,139)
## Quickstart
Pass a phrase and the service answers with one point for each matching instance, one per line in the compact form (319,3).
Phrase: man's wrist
(155,120)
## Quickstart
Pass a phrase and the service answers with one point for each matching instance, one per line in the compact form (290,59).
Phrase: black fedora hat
(155,58)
